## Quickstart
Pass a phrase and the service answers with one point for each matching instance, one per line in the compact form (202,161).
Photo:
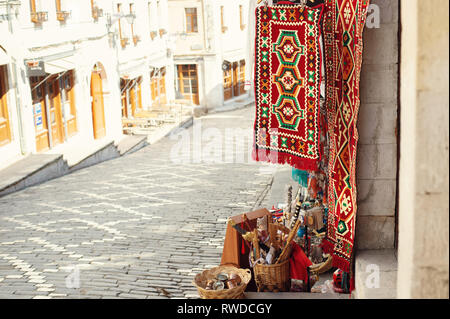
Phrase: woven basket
(323,266)
(272,278)
(234,293)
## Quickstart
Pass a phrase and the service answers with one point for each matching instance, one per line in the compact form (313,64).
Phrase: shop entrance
(55,112)
(158,86)
(40,114)
(5,131)
(131,96)
(233,79)
(98,112)
(188,82)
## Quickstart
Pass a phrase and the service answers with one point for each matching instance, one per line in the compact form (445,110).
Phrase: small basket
(234,293)
(323,266)
(272,278)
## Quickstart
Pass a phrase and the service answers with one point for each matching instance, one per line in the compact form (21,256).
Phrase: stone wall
(377,126)
(423,252)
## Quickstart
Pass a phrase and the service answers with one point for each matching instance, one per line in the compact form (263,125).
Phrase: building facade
(211,50)
(71,72)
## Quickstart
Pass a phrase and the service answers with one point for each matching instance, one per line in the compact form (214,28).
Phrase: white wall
(423,263)
(88,42)
(209,48)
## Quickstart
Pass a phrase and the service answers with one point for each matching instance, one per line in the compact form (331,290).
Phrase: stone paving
(139,226)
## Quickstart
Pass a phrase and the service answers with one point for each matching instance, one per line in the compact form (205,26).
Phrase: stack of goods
(308,57)
(224,282)
(271,256)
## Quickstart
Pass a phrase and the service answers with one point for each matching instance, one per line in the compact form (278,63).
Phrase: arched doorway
(98,111)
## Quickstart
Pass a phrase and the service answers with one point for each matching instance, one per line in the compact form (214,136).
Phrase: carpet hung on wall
(287,80)
(343,27)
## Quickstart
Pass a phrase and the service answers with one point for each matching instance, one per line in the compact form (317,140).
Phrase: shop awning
(131,70)
(59,65)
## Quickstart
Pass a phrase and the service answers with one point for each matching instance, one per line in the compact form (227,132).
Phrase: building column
(423,264)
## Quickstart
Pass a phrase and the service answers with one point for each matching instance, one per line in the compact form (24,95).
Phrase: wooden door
(227,85)
(5,128)
(139,95)
(135,96)
(162,87)
(123,98)
(132,95)
(154,88)
(188,82)
(241,77)
(67,83)
(235,79)
(98,113)
(40,114)
(55,111)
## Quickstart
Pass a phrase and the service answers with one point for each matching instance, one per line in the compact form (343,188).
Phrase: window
(135,37)
(222,19)
(161,14)
(241,17)
(96,11)
(5,131)
(123,39)
(60,14)
(37,15)
(191,20)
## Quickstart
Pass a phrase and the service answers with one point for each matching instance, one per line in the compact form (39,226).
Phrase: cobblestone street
(139,226)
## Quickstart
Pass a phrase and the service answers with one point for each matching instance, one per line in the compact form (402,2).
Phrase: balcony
(124,42)
(136,39)
(39,17)
(62,15)
(97,13)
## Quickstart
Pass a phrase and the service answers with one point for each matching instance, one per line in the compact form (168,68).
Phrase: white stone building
(71,70)
(211,50)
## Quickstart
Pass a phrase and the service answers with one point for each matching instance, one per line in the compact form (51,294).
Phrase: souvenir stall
(308,57)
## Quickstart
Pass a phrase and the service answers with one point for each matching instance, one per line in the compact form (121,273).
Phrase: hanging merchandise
(299,264)
(343,27)
(300,176)
(287,85)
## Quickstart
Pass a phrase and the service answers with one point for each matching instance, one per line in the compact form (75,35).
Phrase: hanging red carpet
(344,22)
(287,79)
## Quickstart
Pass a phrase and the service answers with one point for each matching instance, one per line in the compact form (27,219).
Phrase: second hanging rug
(344,22)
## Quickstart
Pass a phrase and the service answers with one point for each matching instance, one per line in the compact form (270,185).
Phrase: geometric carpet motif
(287,79)
(344,22)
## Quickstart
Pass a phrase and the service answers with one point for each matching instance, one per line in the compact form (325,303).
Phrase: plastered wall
(423,199)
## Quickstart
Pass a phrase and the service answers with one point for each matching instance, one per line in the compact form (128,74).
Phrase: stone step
(294,295)
(131,143)
(32,170)
(375,274)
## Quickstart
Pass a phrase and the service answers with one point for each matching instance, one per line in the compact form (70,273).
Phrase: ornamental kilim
(344,22)
(287,79)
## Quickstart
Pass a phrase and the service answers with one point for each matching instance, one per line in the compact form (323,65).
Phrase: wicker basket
(272,278)
(234,293)
(323,266)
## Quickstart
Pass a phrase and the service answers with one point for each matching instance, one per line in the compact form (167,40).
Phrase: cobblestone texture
(139,226)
